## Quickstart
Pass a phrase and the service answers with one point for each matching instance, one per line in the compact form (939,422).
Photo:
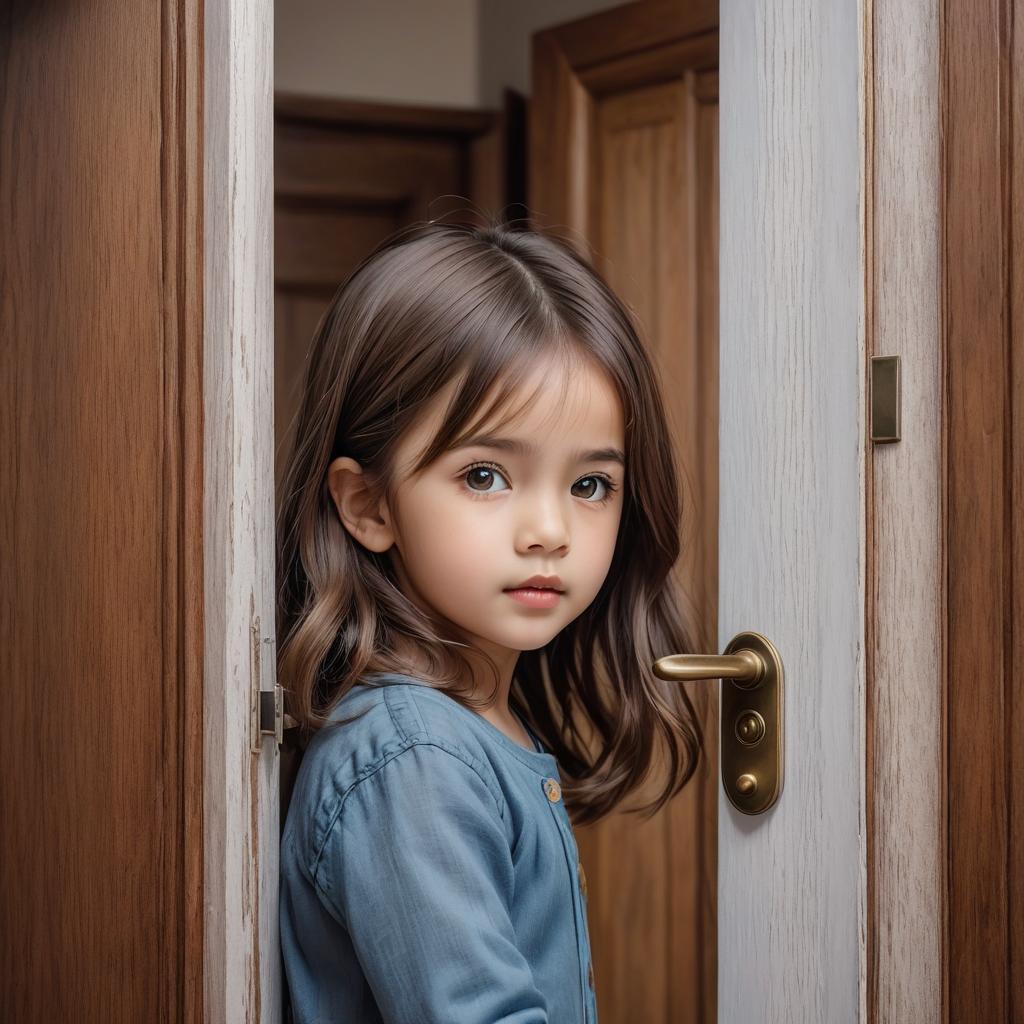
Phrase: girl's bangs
(491,392)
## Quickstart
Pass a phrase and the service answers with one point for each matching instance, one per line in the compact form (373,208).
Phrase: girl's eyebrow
(523,448)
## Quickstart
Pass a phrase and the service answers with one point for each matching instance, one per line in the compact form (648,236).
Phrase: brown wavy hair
(440,302)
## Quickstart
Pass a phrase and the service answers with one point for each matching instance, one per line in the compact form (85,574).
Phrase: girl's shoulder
(372,724)
(379,718)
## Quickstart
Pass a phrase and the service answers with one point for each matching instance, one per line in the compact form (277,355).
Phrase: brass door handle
(745,667)
(751,714)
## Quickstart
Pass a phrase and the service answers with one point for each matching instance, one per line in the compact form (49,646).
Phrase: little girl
(480,519)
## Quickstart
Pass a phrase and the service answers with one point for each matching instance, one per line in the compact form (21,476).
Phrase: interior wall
(459,53)
(390,50)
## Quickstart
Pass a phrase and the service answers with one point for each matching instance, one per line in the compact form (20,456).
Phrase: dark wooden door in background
(624,153)
(101,582)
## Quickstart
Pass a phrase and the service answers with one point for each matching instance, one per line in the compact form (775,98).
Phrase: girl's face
(544,498)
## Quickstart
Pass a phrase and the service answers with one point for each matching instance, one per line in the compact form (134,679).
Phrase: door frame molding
(981,75)
(242,979)
(904,698)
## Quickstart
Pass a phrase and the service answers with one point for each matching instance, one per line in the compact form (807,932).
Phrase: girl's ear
(367,524)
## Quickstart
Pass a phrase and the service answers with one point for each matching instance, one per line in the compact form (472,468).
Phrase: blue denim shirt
(429,873)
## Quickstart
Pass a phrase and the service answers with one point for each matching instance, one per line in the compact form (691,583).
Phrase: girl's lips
(534,597)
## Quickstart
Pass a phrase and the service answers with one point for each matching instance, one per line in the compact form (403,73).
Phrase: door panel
(792,453)
(635,179)
(101,569)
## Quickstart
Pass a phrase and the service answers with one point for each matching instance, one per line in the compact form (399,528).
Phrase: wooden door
(101,556)
(138,807)
(624,163)
(792,464)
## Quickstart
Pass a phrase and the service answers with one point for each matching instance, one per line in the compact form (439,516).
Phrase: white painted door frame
(242,977)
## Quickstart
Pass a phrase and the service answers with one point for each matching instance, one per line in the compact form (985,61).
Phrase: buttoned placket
(553,792)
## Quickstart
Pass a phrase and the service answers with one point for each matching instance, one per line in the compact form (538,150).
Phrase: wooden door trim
(903,808)
(240,788)
(296,108)
(183,274)
(982,286)
(696,52)
(620,31)
(946,617)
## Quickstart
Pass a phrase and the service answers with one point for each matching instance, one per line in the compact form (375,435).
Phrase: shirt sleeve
(418,867)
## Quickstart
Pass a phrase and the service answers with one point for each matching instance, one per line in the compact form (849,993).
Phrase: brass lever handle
(750,714)
(746,667)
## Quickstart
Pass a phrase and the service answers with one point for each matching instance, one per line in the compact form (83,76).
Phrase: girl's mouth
(535,597)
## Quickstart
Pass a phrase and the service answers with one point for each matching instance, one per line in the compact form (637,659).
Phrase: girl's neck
(497,710)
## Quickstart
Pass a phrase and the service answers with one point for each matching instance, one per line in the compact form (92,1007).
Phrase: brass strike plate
(751,730)
(885,399)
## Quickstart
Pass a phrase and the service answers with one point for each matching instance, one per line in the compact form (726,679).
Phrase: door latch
(751,721)
(266,706)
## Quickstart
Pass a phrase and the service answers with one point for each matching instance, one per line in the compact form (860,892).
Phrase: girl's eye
(608,486)
(479,475)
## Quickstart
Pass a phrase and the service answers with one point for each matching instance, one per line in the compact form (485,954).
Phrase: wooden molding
(296,108)
(982,285)
(240,788)
(904,524)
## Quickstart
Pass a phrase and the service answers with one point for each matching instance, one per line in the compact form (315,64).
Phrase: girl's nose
(545,526)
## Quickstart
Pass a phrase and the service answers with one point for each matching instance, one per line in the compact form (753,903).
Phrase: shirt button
(590,975)
(553,790)
(583,877)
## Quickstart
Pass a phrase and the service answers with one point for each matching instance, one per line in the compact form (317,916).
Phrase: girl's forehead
(559,397)
(558,405)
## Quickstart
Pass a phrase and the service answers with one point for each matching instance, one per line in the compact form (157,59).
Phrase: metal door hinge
(266,706)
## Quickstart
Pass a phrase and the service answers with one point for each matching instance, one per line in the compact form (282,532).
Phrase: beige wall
(459,53)
(389,50)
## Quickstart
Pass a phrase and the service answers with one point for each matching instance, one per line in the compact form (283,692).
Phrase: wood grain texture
(982,289)
(101,608)
(791,544)
(624,166)
(1015,506)
(242,967)
(905,593)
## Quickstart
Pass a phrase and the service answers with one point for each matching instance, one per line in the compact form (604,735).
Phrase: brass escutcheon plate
(764,761)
